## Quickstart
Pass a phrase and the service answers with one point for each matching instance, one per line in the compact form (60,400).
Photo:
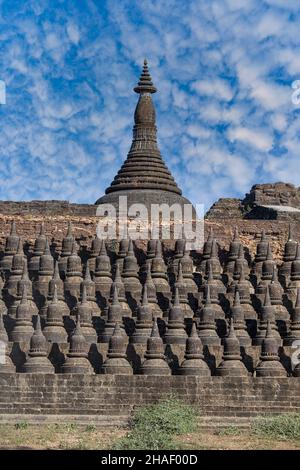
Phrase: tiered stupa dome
(144,177)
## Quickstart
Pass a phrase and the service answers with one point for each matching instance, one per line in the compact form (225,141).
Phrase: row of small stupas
(183,299)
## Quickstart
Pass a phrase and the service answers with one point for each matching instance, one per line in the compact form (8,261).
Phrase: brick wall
(116,396)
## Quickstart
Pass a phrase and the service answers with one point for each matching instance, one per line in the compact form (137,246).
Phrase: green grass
(67,436)
(21,425)
(229,431)
(154,427)
(90,428)
(286,426)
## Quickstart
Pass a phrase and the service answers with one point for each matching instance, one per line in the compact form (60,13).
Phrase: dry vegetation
(168,424)
(24,436)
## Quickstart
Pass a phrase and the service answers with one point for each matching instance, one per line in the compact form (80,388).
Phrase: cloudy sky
(223,70)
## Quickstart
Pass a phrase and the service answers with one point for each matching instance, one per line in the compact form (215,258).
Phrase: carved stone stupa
(144,177)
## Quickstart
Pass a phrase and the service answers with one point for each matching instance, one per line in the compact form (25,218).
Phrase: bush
(229,431)
(21,425)
(153,427)
(70,427)
(285,426)
(90,428)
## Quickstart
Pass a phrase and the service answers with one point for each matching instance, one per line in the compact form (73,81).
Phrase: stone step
(96,420)
(223,422)
(211,423)
(31,408)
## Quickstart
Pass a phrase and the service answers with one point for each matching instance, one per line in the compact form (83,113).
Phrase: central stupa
(144,177)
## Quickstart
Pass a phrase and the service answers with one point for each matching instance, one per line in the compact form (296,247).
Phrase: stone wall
(56,214)
(108,400)
(273,194)
(98,397)
(48,208)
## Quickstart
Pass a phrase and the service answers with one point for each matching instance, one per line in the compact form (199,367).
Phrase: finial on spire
(74,248)
(115,299)
(55,298)
(87,275)
(77,330)
(56,275)
(180,274)
(176,302)
(155,331)
(194,333)
(263,236)
(145,84)
(20,247)
(207,297)
(274,275)
(209,272)
(13,230)
(290,235)
(25,270)
(24,295)
(267,301)
(236,302)
(38,329)
(42,229)
(47,248)
(144,295)
(236,234)
(69,232)
(84,295)
(269,252)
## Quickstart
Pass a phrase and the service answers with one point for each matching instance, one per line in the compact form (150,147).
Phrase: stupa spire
(145,84)
(144,169)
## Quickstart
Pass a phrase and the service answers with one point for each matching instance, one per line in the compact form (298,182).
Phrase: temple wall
(109,399)
(27,396)
(56,214)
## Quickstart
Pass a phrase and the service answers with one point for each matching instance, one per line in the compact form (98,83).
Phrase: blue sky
(223,70)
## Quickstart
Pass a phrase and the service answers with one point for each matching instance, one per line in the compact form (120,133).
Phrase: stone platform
(110,400)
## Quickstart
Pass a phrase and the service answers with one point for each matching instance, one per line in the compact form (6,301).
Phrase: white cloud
(73,33)
(270,95)
(271,24)
(279,121)
(252,137)
(197,131)
(215,88)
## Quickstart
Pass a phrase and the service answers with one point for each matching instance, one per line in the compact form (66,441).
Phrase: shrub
(21,425)
(229,431)
(285,426)
(70,427)
(153,427)
(90,428)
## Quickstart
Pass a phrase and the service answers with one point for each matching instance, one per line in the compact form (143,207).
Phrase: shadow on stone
(95,358)
(56,356)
